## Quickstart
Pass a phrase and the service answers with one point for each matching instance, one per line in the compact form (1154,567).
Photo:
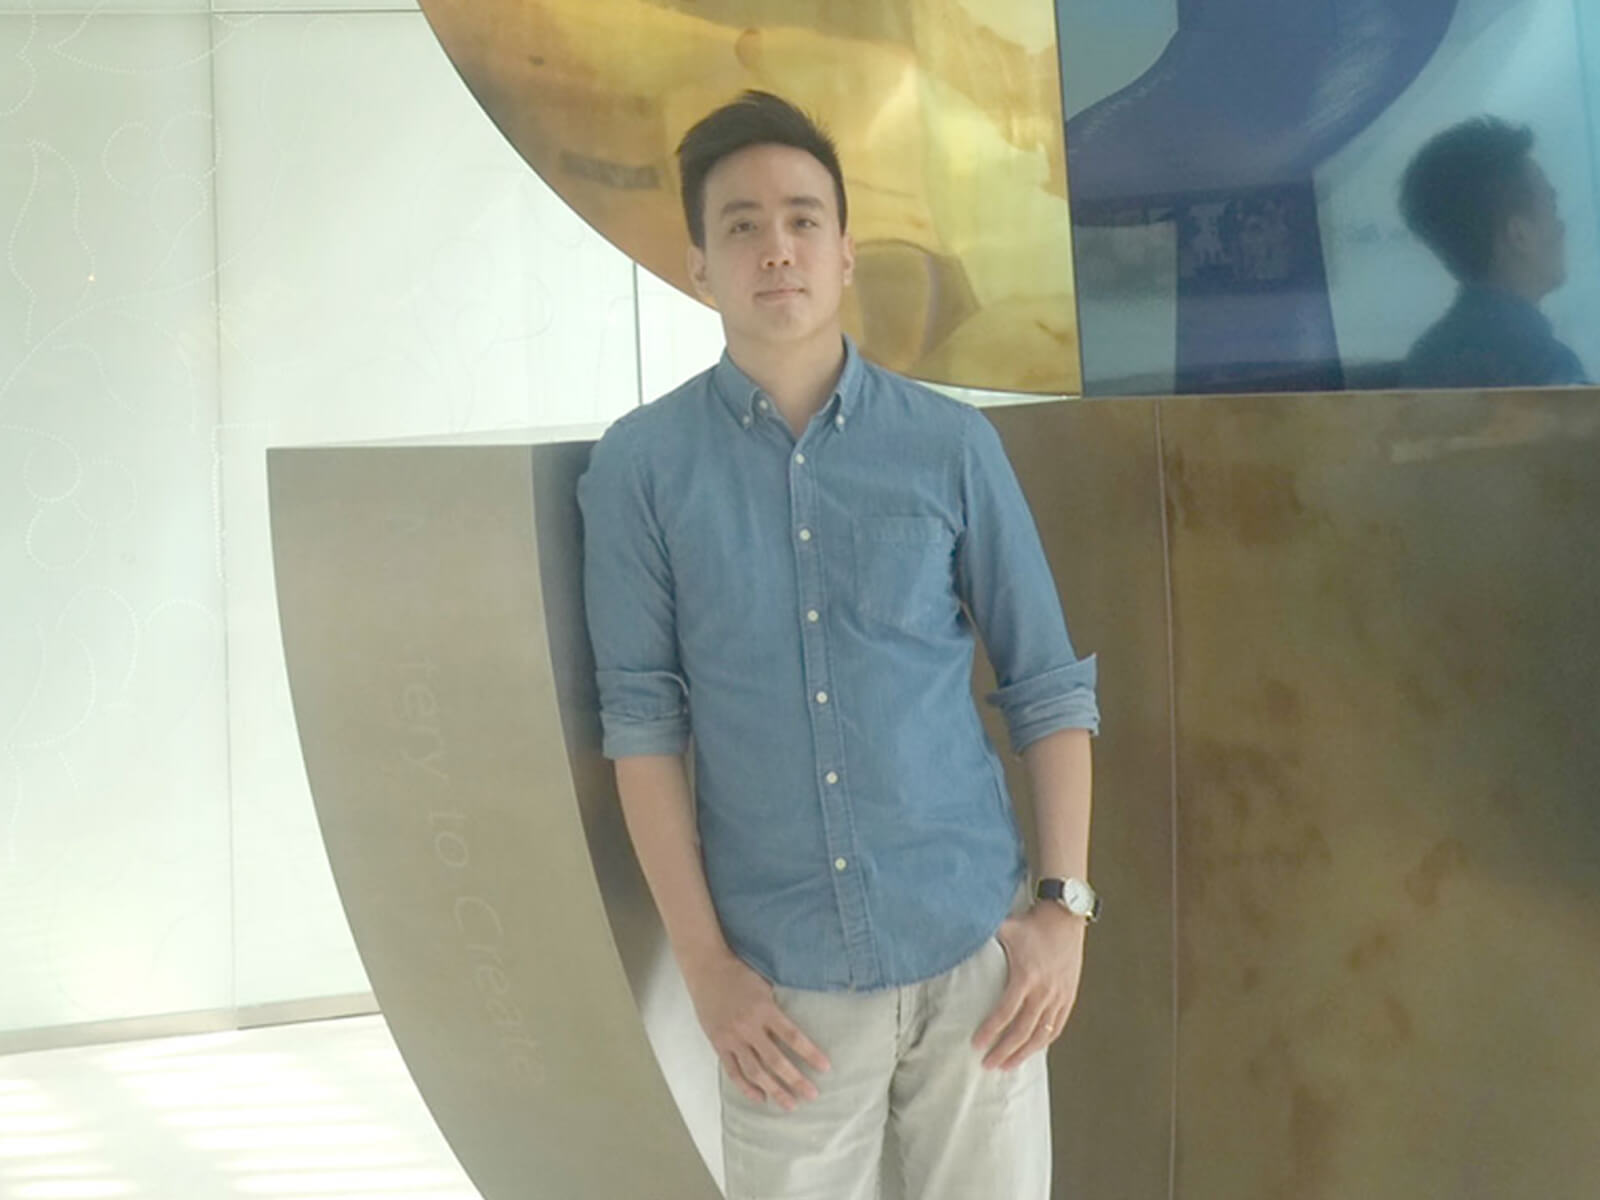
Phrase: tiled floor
(321,1111)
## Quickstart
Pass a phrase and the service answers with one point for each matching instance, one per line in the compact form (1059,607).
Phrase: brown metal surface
(948,119)
(1385,625)
(1388,657)
(1091,473)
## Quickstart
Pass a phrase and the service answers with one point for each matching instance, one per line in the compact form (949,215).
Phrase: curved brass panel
(416,634)
(948,119)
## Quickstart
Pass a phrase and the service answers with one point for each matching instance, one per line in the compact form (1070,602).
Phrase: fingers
(1020,1033)
(1042,972)
(754,1069)
(789,1034)
(794,1086)
(762,1070)
(1025,1040)
(736,1076)
(1019,1025)
(1004,1013)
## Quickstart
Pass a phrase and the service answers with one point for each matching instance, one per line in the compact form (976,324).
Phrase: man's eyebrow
(800,201)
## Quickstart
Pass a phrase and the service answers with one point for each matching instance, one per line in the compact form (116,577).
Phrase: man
(1476,197)
(785,558)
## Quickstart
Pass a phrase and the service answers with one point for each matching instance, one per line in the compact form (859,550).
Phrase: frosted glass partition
(1235,176)
(114,888)
(228,231)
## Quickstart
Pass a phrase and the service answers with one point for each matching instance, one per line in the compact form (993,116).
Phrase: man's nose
(779,249)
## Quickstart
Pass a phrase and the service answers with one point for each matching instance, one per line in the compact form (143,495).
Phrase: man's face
(1537,236)
(775,262)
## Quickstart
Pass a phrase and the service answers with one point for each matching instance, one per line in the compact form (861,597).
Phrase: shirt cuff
(642,712)
(1062,698)
(623,737)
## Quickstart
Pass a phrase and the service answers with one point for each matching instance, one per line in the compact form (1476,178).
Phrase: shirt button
(813,616)
(832,777)
(746,420)
(762,405)
(822,697)
(805,535)
(799,460)
(838,422)
(840,864)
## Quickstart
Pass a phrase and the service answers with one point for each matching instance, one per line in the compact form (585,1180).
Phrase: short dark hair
(754,119)
(1462,187)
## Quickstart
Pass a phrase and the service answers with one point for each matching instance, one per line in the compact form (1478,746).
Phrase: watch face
(1077,897)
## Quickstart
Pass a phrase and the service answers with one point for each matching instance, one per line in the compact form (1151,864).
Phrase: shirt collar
(1498,304)
(741,393)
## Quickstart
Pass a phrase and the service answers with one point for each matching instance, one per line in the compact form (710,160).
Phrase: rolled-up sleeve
(628,597)
(1007,586)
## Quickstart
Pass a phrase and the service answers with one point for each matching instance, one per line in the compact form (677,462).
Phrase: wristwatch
(1074,895)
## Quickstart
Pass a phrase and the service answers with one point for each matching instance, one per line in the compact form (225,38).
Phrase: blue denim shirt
(805,609)
(1491,338)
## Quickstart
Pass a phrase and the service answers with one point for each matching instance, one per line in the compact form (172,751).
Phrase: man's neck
(798,377)
(1519,283)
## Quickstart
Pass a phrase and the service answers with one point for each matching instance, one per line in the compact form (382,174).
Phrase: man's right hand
(753,1038)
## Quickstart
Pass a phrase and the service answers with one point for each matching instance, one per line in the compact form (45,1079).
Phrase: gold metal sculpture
(948,119)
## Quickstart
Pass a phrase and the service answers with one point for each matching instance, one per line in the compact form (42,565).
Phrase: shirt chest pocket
(905,572)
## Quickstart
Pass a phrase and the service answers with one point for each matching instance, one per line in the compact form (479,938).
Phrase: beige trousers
(907,1112)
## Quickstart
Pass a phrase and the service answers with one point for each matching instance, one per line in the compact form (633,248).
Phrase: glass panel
(1235,171)
(113,763)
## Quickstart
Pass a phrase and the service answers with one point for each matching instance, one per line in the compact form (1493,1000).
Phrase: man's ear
(698,276)
(1517,235)
(849,260)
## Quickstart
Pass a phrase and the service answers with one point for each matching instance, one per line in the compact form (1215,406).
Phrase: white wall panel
(114,896)
(390,267)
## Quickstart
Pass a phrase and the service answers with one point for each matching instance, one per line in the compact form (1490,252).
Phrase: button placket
(810,546)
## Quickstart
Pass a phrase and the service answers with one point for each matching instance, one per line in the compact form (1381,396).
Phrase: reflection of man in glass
(787,558)
(1480,202)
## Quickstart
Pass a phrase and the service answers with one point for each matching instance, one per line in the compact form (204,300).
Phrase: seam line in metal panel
(1172,766)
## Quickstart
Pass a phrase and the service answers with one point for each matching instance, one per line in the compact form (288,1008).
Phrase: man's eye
(741,227)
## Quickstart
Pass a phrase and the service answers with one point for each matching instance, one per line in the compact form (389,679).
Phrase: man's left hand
(1044,954)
